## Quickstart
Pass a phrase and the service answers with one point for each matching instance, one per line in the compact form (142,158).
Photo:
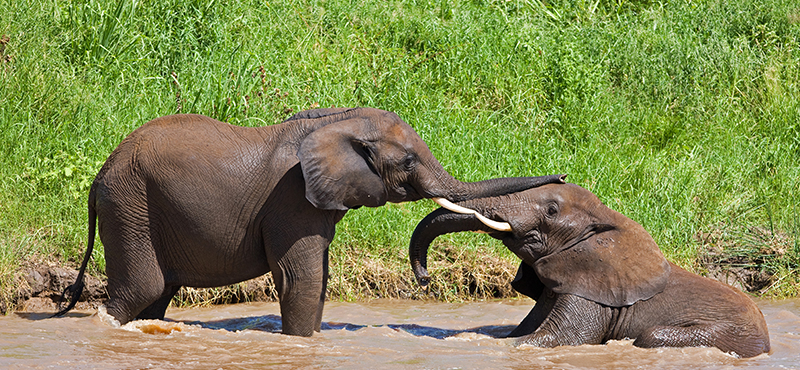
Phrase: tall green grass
(682,115)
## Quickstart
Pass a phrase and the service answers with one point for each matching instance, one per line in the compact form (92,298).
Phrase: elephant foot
(158,309)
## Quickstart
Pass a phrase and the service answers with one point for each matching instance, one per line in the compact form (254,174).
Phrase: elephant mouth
(406,193)
(499,226)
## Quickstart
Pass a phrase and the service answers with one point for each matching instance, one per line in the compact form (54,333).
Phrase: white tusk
(453,207)
(499,226)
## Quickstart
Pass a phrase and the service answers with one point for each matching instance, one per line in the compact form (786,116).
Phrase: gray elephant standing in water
(186,200)
(597,275)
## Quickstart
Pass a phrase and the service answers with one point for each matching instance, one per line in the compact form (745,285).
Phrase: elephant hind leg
(127,225)
(676,336)
(126,303)
(157,309)
(135,281)
(724,337)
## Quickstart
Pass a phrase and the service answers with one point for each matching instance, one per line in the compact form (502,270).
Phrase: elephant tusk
(453,207)
(499,226)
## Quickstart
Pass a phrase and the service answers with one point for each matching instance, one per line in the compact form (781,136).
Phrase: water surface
(377,334)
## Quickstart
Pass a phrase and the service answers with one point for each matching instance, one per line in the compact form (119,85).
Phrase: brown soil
(40,284)
(4,58)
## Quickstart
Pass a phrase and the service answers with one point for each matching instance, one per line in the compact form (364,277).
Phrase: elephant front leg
(568,320)
(534,319)
(301,277)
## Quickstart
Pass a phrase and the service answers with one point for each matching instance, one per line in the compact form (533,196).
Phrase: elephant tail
(75,290)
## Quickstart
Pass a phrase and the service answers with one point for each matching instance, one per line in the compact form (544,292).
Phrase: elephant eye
(552,210)
(408,162)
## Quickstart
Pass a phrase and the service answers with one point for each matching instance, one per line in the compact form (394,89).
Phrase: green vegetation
(683,115)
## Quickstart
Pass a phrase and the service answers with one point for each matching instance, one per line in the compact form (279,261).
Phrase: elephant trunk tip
(421,274)
(423,281)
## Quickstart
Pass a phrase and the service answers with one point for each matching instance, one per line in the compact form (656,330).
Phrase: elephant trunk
(446,190)
(460,191)
(439,222)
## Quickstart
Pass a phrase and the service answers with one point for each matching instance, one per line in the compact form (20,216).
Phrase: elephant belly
(214,272)
(204,261)
(207,245)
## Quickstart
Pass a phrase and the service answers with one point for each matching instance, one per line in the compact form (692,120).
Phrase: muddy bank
(39,284)
(747,258)
(457,275)
(743,258)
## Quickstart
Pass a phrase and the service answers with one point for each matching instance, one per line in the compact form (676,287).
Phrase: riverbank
(457,275)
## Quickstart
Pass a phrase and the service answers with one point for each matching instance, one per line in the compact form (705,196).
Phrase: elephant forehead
(578,196)
(402,133)
(541,195)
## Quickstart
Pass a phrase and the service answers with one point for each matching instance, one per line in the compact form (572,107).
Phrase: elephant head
(367,157)
(568,240)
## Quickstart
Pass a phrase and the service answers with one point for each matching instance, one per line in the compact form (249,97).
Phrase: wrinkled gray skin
(596,275)
(186,200)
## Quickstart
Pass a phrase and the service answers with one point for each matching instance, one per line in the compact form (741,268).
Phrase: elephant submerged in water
(186,200)
(597,275)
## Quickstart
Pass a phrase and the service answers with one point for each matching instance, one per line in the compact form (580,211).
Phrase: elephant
(186,200)
(596,275)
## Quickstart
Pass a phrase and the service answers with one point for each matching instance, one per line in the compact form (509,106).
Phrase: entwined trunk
(438,222)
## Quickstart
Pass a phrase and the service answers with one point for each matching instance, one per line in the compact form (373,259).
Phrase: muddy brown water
(378,334)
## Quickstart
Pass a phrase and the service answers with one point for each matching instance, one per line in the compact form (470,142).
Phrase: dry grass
(255,290)
(753,259)
(457,274)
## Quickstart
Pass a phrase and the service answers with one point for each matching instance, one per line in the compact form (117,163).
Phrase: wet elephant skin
(597,275)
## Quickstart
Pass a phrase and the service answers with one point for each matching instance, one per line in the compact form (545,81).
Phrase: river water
(383,334)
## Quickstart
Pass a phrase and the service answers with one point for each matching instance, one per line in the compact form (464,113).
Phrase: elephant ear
(613,266)
(527,281)
(337,163)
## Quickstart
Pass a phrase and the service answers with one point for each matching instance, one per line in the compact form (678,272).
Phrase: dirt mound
(40,284)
